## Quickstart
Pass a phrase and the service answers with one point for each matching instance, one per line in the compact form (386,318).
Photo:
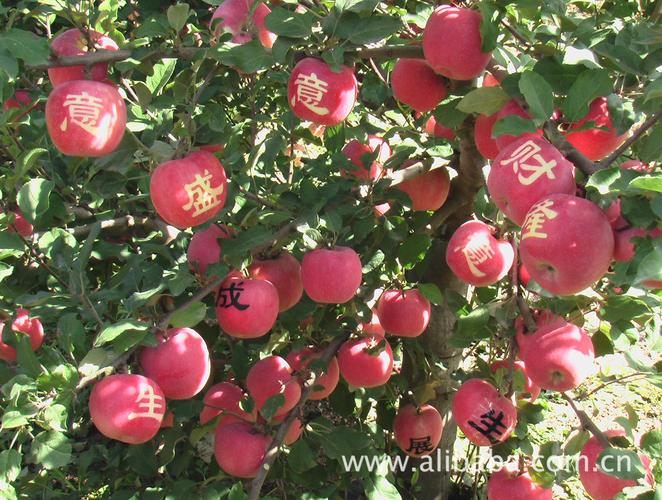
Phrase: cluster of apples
(23,323)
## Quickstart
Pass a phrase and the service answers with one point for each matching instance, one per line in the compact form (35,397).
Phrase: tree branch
(586,421)
(649,123)
(586,166)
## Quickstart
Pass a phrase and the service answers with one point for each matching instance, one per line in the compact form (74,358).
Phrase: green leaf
(190,316)
(471,327)
(272,405)
(489,25)
(12,419)
(431,292)
(413,250)
(653,90)
(485,101)
(51,449)
(110,333)
(576,442)
(11,245)
(590,84)
(237,492)
(33,198)
(178,15)
(651,145)
(380,488)
(25,356)
(651,444)
(162,72)
(363,30)
(290,24)
(55,418)
(10,465)
(249,57)
(621,463)
(538,95)
(647,182)
(650,268)
(27,160)
(301,458)
(513,125)
(344,441)
(25,45)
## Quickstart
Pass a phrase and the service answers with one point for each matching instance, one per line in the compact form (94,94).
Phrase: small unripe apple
(427,191)
(239,449)
(486,144)
(85,118)
(432,127)
(234,20)
(567,243)
(180,364)
(366,362)
(73,43)
(20,224)
(284,272)
(595,143)
(23,323)
(354,150)
(127,408)
(417,430)
(318,94)
(246,308)
(326,381)
(416,84)
(476,256)
(530,386)
(225,398)
(624,248)
(331,276)
(525,171)
(512,108)
(205,249)
(452,43)
(270,377)
(508,483)
(405,314)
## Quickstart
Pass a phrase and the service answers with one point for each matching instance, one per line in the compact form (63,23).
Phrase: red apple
(189,191)
(73,43)
(452,43)
(127,408)
(354,150)
(326,381)
(85,118)
(331,275)
(484,416)
(416,84)
(524,275)
(22,101)
(595,143)
(205,248)
(624,249)
(636,165)
(512,108)
(374,328)
(284,272)
(246,308)
(613,214)
(20,224)
(525,171)
(168,420)
(180,364)
(366,362)
(23,324)
(318,94)
(225,398)
(405,314)
(293,433)
(234,19)
(438,130)
(530,386)
(567,243)
(509,483)
(427,191)
(270,377)
(239,449)
(486,144)
(489,80)
(476,256)
(417,430)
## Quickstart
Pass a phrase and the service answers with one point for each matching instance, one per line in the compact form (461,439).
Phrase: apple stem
(586,421)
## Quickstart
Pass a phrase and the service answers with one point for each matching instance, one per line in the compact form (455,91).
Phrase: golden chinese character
(310,92)
(202,196)
(84,111)
(149,401)
(477,251)
(530,151)
(536,217)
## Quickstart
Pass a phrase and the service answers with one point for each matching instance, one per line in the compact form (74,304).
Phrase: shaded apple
(354,150)
(427,191)
(486,144)
(205,249)
(225,398)
(326,381)
(19,224)
(436,129)
(416,84)
(595,143)
(284,272)
(234,20)
(239,449)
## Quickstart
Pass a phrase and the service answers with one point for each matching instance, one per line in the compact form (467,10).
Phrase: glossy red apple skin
(486,144)
(595,143)
(234,19)
(205,249)
(269,377)
(404,314)
(529,385)
(239,449)
(524,275)
(415,84)
(452,43)
(20,224)
(73,43)
(336,102)
(360,368)
(613,214)
(354,150)
(598,484)
(331,276)
(577,246)
(327,380)
(413,424)
(477,257)
(127,408)
(25,324)
(432,127)
(255,311)
(427,191)
(513,108)
(293,433)
(372,328)
(624,247)
(509,484)
(284,272)
(475,398)
(516,183)
(180,364)
(168,189)
(225,398)
(86,136)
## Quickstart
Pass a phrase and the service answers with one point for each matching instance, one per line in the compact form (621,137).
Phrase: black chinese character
(491,425)
(420,445)
(230,296)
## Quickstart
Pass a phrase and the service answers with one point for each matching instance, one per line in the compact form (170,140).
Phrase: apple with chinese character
(525,171)
(225,399)
(234,16)
(417,429)
(416,84)
(284,272)
(180,364)
(476,256)
(127,408)
(19,224)
(319,94)
(354,150)
(85,118)
(427,191)
(403,313)
(239,449)
(246,308)
(189,191)
(205,249)
(512,108)
(567,243)
(74,43)
(436,129)
(272,376)
(486,144)
(366,361)
(511,483)
(23,323)
(595,143)
(331,275)
(452,43)
(326,381)
(530,387)
(482,413)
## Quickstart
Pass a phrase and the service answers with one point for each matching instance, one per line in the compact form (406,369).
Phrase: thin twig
(586,421)
(586,166)
(649,123)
